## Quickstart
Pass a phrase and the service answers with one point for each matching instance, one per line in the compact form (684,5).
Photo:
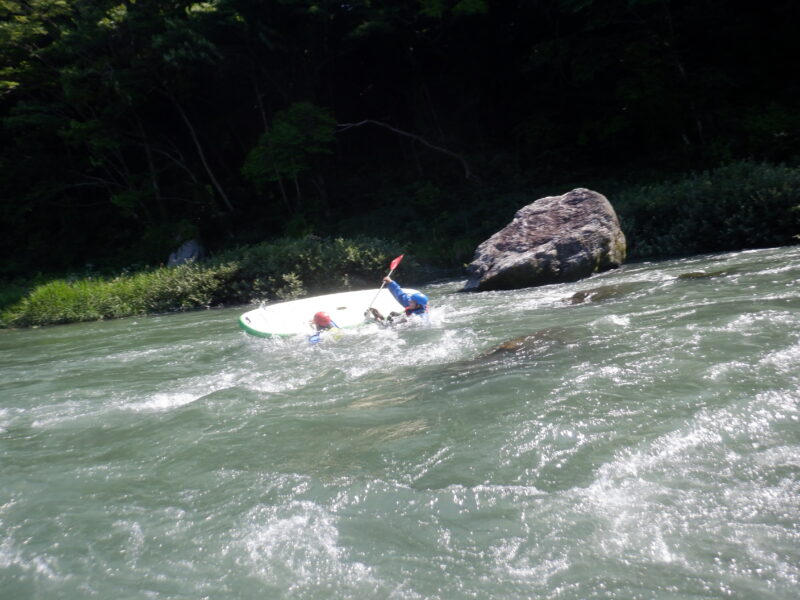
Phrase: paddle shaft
(383,283)
(392,267)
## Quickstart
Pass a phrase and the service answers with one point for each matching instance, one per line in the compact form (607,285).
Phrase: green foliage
(290,267)
(439,8)
(742,205)
(772,131)
(291,289)
(120,119)
(279,270)
(90,299)
(298,134)
(12,292)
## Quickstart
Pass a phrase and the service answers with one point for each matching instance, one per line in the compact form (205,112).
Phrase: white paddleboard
(294,318)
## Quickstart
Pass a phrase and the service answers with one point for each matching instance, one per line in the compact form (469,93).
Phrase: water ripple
(631,435)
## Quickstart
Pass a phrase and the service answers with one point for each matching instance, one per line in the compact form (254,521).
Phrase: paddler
(415,304)
(321,322)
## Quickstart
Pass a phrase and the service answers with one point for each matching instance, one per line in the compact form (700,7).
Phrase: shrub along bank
(742,205)
(281,269)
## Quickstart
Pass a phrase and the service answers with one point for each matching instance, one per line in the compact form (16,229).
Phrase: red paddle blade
(395,262)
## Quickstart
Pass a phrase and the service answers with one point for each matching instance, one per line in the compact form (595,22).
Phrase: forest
(130,126)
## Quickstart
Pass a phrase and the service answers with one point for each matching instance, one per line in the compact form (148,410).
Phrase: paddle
(392,267)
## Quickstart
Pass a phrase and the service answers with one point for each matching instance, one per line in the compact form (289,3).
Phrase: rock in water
(606,292)
(553,240)
(188,252)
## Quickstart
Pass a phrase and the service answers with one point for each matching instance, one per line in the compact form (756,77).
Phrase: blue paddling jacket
(405,299)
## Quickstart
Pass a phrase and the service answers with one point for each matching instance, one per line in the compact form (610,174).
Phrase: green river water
(642,443)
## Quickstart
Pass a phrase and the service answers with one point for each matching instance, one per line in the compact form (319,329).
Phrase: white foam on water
(162,401)
(68,408)
(295,547)
(778,270)
(756,322)
(722,370)
(448,343)
(48,416)
(392,348)
(460,312)
(615,321)
(702,438)
(653,497)
(509,559)
(651,457)
(614,374)
(786,361)
(134,534)
(192,390)
(272,383)
(632,522)
(42,565)
(175,350)
(742,323)
(94,406)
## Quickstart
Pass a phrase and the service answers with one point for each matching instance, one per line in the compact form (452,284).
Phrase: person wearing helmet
(321,322)
(415,304)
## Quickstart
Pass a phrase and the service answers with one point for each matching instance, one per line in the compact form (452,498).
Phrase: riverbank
(278,270)
(740,206)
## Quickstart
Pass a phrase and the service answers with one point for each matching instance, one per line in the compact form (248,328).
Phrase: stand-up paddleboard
(294,318)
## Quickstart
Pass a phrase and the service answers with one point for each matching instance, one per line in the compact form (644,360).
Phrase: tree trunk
(151,167)
(200,152)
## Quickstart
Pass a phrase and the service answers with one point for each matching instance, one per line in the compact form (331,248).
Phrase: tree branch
(199,148)
(423,141)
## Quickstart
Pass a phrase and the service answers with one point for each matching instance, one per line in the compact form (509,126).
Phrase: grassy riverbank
(742,205)
(278,270)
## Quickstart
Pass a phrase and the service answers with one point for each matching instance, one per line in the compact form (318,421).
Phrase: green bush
(160,290)
(12,292)
(742,205)
(290,267)
(283,269)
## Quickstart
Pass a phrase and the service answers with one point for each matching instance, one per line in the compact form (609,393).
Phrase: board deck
(347,309)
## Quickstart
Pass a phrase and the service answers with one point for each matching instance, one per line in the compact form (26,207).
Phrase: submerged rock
(605,292)
(703,274)
(530,344)
(553,240)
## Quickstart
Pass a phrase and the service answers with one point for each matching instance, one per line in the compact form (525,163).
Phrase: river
(641,441)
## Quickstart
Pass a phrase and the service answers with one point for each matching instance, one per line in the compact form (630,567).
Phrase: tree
(300,134)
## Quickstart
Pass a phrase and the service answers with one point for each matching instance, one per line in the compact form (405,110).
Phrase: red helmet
(322,319)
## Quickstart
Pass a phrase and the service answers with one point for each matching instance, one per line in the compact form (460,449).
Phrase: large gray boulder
(553,240)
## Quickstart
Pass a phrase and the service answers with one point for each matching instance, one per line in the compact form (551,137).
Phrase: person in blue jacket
(415,304)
